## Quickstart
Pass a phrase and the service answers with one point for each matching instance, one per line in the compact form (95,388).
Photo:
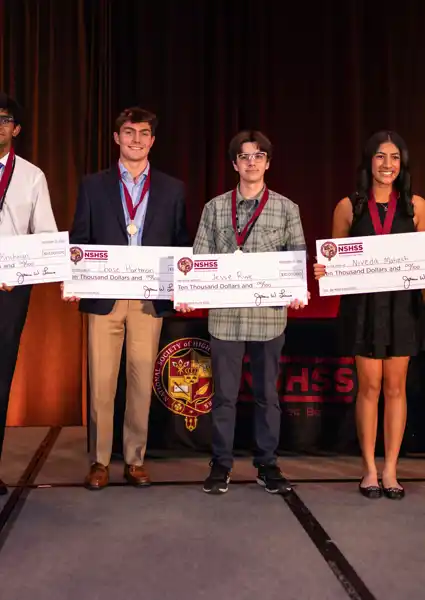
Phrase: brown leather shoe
(97,478)
(136,475)
(3,488)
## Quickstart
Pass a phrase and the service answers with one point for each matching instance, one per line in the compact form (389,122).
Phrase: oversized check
(375,263)
(34,258)
(121,272)
(239,279)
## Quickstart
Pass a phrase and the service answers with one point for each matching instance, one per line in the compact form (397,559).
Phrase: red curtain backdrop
(317,80)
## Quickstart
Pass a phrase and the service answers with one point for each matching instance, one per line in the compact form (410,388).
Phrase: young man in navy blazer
(129,204)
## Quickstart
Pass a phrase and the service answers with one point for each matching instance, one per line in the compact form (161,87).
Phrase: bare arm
(419,213)
(342,218)
(341,224)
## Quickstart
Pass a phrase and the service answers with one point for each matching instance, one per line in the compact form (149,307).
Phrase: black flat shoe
(394,493)
(371,491)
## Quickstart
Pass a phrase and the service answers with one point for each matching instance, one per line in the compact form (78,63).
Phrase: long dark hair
(364,173)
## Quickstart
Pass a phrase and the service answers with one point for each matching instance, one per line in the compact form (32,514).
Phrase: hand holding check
(295,305)
(237,280)
(371,264)
(214,281)
(68,299)
(319,270)
(33,259)
(120,272)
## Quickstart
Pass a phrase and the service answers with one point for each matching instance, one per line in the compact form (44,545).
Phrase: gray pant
(227,358)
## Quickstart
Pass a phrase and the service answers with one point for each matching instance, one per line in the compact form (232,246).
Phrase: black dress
(383,324)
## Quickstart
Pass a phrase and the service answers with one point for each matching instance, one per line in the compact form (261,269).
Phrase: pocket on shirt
(225,240)
(20,214)
(270,239)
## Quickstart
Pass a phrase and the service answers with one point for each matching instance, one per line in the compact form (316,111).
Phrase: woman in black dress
(382,330)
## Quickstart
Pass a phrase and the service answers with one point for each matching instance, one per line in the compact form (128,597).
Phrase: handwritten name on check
(121,272)
(240,279)
(370,264)
(34,259)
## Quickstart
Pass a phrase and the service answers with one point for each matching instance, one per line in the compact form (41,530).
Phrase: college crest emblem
(76,254)
(185,265)
(329,250)
(183,379)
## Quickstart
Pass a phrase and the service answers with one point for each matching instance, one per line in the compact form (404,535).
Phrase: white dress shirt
(27,208)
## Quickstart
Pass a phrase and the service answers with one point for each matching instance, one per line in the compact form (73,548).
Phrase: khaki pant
(106,336)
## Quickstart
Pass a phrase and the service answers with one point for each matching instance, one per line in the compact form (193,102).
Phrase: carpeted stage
(172,541)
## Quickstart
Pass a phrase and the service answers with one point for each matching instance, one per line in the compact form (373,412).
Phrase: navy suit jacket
(99,219)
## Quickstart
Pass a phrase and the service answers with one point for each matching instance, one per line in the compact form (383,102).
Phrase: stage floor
(171,541)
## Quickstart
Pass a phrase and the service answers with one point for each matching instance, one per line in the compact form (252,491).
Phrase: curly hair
(364,173)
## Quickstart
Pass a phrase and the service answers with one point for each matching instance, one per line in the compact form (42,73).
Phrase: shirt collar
(240,198)
(126,175)
(3,160)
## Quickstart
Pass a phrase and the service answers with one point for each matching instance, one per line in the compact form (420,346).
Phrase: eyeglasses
(257,156)
(6,119)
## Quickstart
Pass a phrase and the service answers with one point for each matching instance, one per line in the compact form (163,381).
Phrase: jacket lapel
(153,203)
(114,197)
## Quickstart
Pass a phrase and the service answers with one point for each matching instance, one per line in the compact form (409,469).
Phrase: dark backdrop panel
(317,390)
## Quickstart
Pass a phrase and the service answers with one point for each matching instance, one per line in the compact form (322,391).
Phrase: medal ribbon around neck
(242,236)
(132,210)
(382,229)
(7,176)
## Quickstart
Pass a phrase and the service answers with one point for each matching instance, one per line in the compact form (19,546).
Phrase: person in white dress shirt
(25,208)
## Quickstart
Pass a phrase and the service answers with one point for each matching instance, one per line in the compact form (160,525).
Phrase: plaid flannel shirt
(277,228)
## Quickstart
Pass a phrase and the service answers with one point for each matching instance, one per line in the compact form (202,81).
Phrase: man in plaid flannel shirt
(259,331)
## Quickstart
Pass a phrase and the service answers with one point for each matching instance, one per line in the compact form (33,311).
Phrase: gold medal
(132,229)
